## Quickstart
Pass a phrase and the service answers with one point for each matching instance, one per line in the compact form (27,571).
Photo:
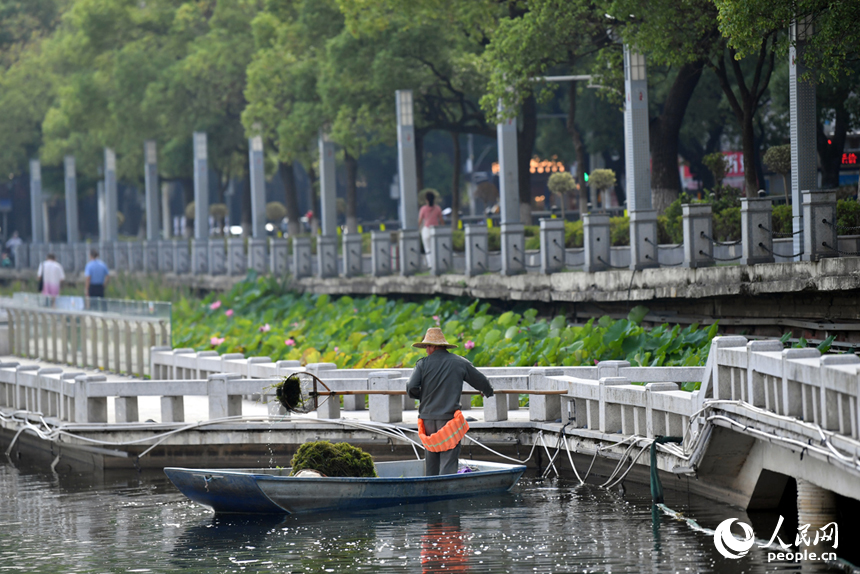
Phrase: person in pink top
(429,215)
(51,274)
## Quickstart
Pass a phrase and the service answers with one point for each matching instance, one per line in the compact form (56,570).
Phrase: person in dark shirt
(437,381)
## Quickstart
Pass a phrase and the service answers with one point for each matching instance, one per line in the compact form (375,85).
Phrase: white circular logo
(728,545)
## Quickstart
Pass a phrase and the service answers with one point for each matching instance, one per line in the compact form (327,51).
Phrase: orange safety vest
(447,437)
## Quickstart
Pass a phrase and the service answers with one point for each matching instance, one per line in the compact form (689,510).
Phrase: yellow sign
(360,230)
(459,224)
(382,227)
(489,222)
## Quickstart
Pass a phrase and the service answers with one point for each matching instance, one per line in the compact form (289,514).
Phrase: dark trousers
(445,462)
(96,290)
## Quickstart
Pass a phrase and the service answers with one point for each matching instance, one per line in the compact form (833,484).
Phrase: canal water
(130,522)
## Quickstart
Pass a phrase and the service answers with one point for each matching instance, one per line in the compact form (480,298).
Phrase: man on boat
(437,381)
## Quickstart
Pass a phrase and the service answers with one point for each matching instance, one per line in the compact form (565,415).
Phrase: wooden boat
(399,482)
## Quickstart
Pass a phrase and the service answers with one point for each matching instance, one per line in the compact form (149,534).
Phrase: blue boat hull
(274,491)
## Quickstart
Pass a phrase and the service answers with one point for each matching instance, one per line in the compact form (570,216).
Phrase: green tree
(831,49)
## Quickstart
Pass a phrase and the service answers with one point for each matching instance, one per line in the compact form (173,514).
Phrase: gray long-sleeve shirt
(437,381)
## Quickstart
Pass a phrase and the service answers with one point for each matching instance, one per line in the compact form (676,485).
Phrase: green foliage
(375,332)
(727,224)
(848,216)
(339,459)
(619,230)
(778,158)
(601,179)
(781,219)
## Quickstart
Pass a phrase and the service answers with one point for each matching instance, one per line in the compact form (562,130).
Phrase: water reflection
(137,522)
(443,546)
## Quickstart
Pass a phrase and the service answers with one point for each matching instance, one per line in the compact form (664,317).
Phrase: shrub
(619,231)
(727,224)
(781,219)
(848,216)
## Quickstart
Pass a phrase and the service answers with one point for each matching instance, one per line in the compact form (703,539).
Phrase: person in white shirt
(52,275)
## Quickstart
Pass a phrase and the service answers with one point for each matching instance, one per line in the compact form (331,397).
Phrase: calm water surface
(65,523)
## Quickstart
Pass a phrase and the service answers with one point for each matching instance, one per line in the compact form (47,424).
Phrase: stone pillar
(21,253)
(442,254)
(100,206)
(235,256)
(816,507)
(106,253)
(513,240)
(165,256)
(72,235)
(82,255)
(111,204)
(352,254)
(410,247)
(326,256)
(551,245)
(819,218)
(150,256)
(477,242)
(380,253)
(278,256)
(150,181)
(697,222)
(258,242)
(637,161)
(327,242)
(36,202)
(135,255)
(217,256)
(257,258)
(597,242)
(120,255)
(200,248)
(643,239)
(802,114)
(301,257)
(181,257)
(756,230)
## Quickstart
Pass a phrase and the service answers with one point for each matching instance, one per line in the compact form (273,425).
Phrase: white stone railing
(112,341)
(798,383)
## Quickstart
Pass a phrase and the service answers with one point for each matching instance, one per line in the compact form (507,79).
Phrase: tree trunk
(525,148)
(455,184)
(291,199)
(351,177)
(744,108)
(665,130)
(419,159)
(579,148)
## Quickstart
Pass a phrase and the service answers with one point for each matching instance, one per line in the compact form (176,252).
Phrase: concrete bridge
(765,419)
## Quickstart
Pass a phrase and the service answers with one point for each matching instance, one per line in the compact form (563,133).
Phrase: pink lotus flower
(215,305)
(265,328)
(436,318)
(337,349)
(354,310)
(469,344)
(290,343)
(215,341)
(229,312)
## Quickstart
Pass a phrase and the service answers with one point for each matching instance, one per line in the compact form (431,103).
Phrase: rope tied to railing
(723,243)
(772,252)
(839,251)
(777,233)
(664,264)
(599,258)
(840,227)
(709,256)
(672,246)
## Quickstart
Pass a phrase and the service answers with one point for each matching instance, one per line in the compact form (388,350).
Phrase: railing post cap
(72,375)
(800,353)
(609,381)
(657,387)
(9,364)
(383,374)
(728,341)
(847,359)
(764,346)
(49,371)
(546,371)
(254,360)
(27,368)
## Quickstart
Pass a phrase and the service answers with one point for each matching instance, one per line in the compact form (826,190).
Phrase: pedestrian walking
(51,275)
(429,215)
(96,275)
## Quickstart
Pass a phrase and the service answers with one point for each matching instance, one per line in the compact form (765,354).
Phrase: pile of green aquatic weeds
(338,459)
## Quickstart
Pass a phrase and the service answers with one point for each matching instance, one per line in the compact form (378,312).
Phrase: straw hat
(435,338)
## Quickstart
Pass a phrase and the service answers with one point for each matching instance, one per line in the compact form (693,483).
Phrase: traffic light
(586,177)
